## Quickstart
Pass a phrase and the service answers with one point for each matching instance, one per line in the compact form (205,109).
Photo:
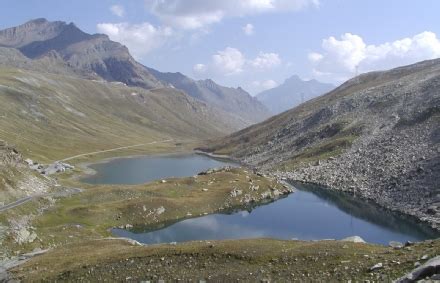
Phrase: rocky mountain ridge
(232,100)
(95,55)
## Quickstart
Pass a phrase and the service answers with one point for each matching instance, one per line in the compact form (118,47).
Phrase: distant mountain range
(58,47)
(233,100)
(63,91)
(291,93)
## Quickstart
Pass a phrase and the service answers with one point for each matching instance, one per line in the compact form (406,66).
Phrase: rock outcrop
(16,179)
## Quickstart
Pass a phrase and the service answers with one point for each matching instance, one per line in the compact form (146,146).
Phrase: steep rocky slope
(377,136)
(48,63)
(16,179)
(291,93)
(232,100)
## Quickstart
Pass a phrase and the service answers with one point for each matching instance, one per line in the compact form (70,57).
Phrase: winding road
(17,203)
(62,193)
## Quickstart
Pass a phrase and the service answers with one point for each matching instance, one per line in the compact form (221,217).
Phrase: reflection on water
(310,213)
(142,169)
(371,212)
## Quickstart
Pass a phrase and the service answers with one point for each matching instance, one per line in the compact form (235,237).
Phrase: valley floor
(75,229)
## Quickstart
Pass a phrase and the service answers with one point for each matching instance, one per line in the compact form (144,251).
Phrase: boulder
(236,192)
(24,236)
(266,195)
(432,210)
(353,239)
(396,245)
(160,210)
(430,269)
(376,266)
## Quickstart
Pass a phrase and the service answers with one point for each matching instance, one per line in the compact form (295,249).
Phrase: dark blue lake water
(308,214)
(311,213)
(142,169)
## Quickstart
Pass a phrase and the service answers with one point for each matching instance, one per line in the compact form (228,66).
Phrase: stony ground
(16,180)
(377,136)
(399,171)
(261,260)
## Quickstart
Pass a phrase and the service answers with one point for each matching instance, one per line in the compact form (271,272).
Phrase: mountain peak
(38,21)
(41,23)
(295,78)
(88,54)
(32,31)
(292,92)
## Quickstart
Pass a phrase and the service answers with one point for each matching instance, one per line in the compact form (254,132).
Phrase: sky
(255,44)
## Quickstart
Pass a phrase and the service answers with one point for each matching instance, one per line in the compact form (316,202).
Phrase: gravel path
(113,149)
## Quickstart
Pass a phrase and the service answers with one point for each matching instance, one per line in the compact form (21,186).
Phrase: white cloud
(257,86)
(248,29)
(118,10)
(192,14)
(265,61)
(232,61)
(199,68)
(229,61)
(263,85)
(341,58)
(315,57)
(139,38)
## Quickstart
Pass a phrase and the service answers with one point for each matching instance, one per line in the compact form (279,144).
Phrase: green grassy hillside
(51,117)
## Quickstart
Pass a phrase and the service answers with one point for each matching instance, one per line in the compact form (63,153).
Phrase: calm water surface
(311,213)
(142,169)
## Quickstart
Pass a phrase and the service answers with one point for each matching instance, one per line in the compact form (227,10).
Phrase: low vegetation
(240,260)
(66,115)
(91,213)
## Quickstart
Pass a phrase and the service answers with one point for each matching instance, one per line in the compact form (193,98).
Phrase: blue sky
(255,44)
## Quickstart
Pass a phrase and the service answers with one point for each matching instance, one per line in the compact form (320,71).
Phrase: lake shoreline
(368,214)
